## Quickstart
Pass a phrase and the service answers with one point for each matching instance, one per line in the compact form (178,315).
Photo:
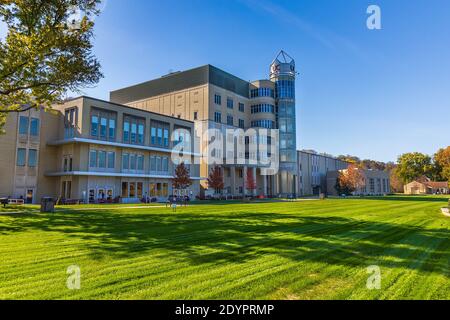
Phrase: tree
(181,179)
(44,56)
(411,166)
(442,163)
(396,182)
(215,179)
(349,180)
(250,183)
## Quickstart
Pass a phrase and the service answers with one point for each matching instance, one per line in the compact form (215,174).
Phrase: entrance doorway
(30,196)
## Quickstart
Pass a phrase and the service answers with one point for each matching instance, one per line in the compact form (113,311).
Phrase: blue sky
(374,94)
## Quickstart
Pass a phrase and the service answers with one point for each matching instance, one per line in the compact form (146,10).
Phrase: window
(158,164)
(112,129)
(70,122)
(268,124)
(218,99)
(285,89)
(241,124)
(230,120)
(124,189)
(262,92)
(132,161)
(34,127)
(32,158)
(126,131)
(132,190)
(140,188)
(195,115)
(140,162)
(152,163)
(21,155)
(93,158)
(102,159)
(125,161)
(241,107)
(159,134)
(165,164)
(218,117)
(133,130)
(94,126)
(23,125)
(103,126)
(263,108)
(111,160)
(230,103)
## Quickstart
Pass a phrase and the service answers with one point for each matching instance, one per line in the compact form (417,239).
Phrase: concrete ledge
(446,211)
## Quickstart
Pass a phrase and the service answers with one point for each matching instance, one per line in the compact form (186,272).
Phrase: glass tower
(282,73)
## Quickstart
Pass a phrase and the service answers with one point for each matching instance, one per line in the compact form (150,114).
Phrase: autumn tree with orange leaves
(350,180)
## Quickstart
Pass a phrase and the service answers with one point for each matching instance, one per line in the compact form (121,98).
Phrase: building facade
(312,171)
(215,99)
(91,150)
(375,183)
(427,187)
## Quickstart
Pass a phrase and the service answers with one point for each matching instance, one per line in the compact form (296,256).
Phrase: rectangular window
(132,161)
(218,117)
(159,134)
(158,164)
(23,125)
(133,132)
(141,133)
(152,163)
(152,189)
(140,189)
(103,127)
(34,127)
(230,120)
(32,157)
(94,126)
(241,124)
(126,131)
(132,189)
(93,159)
(230,103)
(165,190)
(21,155)
(218,99)
(195,115)
(112,129)
(124,189)
(241,107)
(102,159)
(165,164)
(111,160)
(125,161)
(140,162)
(166,137)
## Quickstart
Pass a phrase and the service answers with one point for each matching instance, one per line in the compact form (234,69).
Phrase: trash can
(47,204)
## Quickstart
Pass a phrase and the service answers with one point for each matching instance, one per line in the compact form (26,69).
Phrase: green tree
(442,163)
(47,52)
(413,165)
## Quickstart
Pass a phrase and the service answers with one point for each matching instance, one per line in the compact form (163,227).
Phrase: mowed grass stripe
(153,266)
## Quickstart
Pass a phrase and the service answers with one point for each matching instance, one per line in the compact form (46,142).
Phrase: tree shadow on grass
(409,198)
(238,237)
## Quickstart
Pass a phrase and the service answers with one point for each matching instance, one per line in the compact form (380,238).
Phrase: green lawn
(291,250)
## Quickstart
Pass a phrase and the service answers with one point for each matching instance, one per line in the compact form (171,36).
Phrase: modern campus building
(91,150)
(312,172)
(375,182)
(98,150)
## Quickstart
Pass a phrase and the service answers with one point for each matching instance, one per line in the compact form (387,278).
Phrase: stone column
(233,180)
(265,185)
(245,184)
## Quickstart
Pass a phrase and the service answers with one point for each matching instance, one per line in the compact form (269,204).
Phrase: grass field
(292,250)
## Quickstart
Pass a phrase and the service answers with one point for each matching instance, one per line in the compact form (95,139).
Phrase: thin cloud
(325,37)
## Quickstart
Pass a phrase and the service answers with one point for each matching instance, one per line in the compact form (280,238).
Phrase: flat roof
(178,81)
(128,107)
